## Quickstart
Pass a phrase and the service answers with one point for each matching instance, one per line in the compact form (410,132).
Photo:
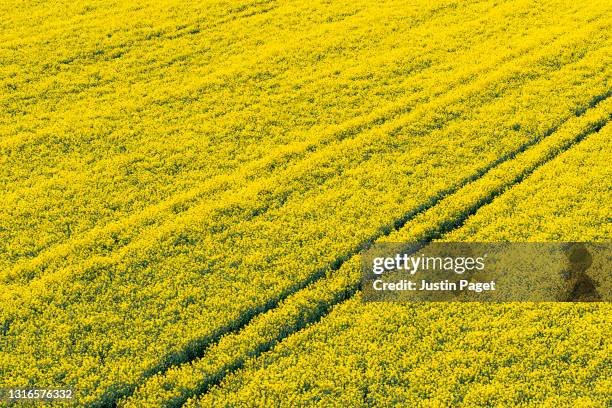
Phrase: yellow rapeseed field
(186,189)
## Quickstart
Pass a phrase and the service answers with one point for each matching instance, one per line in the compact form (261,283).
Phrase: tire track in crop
(443,227)
(179,360)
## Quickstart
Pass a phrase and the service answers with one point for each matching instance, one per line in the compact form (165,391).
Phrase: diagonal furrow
(188,189)
(193,347)
(316,297)
(351,287)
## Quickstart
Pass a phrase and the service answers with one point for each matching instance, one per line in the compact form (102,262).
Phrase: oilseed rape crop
(390,353)
(187,189)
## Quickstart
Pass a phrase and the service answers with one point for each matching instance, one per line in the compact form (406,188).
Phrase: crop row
(259,195)
(425,354)
(174,386)
(104,316)
(148,139)
(106,311)
(98,169)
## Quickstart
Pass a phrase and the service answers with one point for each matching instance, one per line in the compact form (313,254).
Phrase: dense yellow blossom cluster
(185,186)
(309,304)
(445,354)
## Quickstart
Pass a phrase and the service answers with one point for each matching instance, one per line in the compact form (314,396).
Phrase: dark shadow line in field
(445,227)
